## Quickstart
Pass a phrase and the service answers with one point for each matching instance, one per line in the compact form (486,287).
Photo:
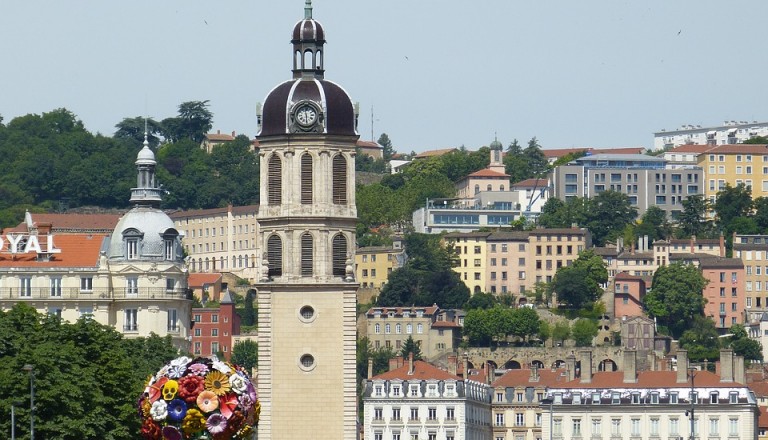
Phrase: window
(306,252)
(714,427)
(419,328)
(275,255)
(654,398)
(198,332)
(615,398)
(132,248)
(170,284)
(56,286)
(378,413)
(387,329)
(409,328)
(654,427)
(86,284)
(577,427)
(132,285)
(615,427)
(519,419)
(634,426)
(340,254)
(673,397)
(450,413)
(500,419)
(214,347)
(635,398)
(274,180)
(173,322)
(214,332)
(596,428)
(168,249)
(306,179)
(733,426)
(499,397)
(214,318)
(595,398)
(86,312)
(130,320)
(339,180)
(414,413)
(674,426)
(557,427)
(432,413)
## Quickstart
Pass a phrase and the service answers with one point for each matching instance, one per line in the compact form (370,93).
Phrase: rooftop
(77,250)
(421,371)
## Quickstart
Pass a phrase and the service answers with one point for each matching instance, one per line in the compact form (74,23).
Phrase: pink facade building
(724,293)
(629,291)
(212,329)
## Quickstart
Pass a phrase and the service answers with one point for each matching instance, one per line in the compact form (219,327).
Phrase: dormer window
(168,254)
(132,240)
(558,399)
(713,397)
(615,398)
(576,399)
(413,390)
(733,397)
(378,390)
(654,397)
(673,397)
(396,390)
(635,398)
(595,398)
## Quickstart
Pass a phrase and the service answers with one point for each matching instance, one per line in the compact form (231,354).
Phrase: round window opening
(307,312)
(307,361)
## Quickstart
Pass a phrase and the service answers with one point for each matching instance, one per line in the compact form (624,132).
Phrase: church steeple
(146,193)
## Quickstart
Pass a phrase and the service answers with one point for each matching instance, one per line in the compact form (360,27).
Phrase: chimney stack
(370,368)
(452,361)
(570,367)
(410,363)
(726,365)
(682,366)
(630,366)
(534,373)
(739,374)
(722,245)
(465,364)
(693,241)
(586,366)
(395,363)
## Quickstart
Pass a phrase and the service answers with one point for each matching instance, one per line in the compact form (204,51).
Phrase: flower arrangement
(199,399)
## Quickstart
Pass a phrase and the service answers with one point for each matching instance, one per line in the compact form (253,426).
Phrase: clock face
(306,115)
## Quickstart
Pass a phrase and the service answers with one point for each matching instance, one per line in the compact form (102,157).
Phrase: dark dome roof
(308,30)
(337,111)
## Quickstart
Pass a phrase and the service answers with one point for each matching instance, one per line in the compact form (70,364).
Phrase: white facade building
(731,132)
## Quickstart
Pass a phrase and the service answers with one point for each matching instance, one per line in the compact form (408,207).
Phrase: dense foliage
(676,299)
(87,377)
(497,324)
(51,162)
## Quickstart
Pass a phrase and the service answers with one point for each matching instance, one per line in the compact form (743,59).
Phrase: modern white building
(134,279)
(420,401)
(731,132)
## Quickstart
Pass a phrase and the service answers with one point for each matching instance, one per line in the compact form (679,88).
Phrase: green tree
(480,301)
(594,266)
(545,331)
(387,149)
(732,203)
(676,298)
(607,214)
(476,328)
(411,347)
(558,214)
(584,331)
(525,323)
(701,340)
(246,354)
(194,120)
(757,140)
(133,130)
(561,331)
(693,220)
(573,287)
(761,214)
(653,223)
(249,312)
(743,345)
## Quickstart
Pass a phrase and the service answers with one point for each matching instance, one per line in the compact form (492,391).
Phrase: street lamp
(29,368)
(691,374)
(549,401)
(13,418)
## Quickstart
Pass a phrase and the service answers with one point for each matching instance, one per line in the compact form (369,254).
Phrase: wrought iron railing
(69,293)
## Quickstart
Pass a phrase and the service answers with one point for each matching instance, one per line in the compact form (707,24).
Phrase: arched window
(477,188)
(274,180)
(307,250)
(275,255)
(132,242)
(488,188)
(306,179)
(339,255)
(319,59)
(501,188)
(307,63)
(339,180)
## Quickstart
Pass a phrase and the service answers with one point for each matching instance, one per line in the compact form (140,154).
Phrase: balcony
(74,293)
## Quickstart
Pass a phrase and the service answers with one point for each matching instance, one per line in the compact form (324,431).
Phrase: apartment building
(629,291)
(734,165)
(221,239)
(731,132)
(726,299)
(551,249)
(213,329)
(471,250)
(435,331)
(752,250)
(646,180)
(373,264)
(420,401)
(517,398)
(507,263)
(632,404)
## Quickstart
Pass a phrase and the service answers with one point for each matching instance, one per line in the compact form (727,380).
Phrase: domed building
(307,216)
(134,279)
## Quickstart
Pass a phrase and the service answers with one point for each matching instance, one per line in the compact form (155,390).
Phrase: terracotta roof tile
(522,377)
(648,379)
(421,370)
(690,148)
(78,221)
(531,183)
(431,153)
(368,144)
(445,324)
(429,310)
(77,250)
(201,279)
(762,421)
(488,173)
(219,137)
(739,149)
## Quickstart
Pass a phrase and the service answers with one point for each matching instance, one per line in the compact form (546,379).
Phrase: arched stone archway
(491,364)
(559,363)
(512,365)
(537,363)
(607,365)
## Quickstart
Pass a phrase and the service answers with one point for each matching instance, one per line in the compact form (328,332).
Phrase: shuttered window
(306,179)
(339,255)
(275,255)
(306,254)
(274,183)
(339,180)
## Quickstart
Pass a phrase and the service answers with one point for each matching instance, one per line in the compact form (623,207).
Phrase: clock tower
(307,215)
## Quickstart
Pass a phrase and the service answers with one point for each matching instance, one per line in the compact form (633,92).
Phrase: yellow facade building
(733,165)
(373,264)
(471,249)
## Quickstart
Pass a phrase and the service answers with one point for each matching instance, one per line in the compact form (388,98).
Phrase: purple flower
(198,369)
(216,423)
(177,409)
(171,433)
(251,392)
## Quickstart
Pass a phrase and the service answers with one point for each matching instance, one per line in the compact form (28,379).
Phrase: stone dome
(336,112)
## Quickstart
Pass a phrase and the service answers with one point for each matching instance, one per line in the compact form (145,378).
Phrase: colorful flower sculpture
(198,399)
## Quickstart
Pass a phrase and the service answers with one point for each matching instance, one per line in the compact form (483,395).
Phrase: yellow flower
(193,422)
(217,382)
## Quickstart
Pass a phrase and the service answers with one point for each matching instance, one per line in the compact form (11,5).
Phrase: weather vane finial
(146,141)
(308,10)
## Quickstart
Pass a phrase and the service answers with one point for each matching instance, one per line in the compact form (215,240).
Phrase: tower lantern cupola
(147,192)
(308,39)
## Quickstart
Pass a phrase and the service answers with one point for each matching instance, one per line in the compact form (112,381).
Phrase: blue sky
(436,73)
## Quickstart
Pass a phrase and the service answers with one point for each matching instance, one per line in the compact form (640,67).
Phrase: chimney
(218,131)
(726,365)
(652,361)
(534,373)
(693,242)
(570,367)
(370,368)
(234,134)
(465,365)
(630,366)
(722,244)
(395,363)
(452,361)
(410,363)
(586,366)
(682,366)
(739,374)
(647,243)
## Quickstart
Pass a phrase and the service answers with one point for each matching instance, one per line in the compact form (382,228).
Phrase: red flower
(150,430)
(190,387)
(227,404)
